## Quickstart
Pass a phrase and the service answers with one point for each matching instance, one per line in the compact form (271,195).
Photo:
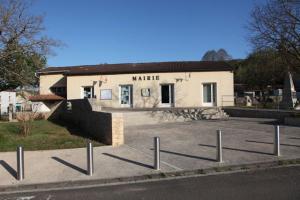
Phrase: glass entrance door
(126,95)
(209,94)
(167,95)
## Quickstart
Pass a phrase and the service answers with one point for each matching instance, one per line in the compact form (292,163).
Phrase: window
(145,92)
(18,107)
(106,94)
(167,94)
(209,94)
(60,91)
(126,95)
(88,92)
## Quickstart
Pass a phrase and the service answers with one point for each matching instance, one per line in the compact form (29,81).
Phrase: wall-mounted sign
(145,92)
(145,78)
(105,94)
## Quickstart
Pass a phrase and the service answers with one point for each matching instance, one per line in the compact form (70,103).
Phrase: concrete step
(172,115)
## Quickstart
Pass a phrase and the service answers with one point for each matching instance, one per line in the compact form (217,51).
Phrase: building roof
(129,68)
(46,97)
(8,91)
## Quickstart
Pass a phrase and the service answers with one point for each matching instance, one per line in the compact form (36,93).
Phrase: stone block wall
(293,121)
(259,113)
(117,129)
(106,127)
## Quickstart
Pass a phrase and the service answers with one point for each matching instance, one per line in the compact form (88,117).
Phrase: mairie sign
(145,78)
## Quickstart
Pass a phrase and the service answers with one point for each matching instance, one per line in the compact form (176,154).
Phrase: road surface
(274,184)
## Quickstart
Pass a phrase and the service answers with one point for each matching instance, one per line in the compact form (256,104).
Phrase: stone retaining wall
(260,113)
(104,126)
(293,121)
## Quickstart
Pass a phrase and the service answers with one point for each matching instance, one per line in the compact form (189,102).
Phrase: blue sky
(121,31)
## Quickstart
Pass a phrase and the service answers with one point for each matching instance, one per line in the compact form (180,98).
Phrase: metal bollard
(219,146)
(90,159)
(20,163)
(156,153)
(277,141)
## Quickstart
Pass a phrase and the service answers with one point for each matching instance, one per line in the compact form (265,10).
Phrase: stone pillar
(248,101)
(289,93)
(117,123)
(10,112)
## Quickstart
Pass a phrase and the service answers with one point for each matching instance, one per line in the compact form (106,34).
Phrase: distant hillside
(220,55)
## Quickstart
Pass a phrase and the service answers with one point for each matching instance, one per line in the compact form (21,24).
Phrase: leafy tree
(276,25)
(237,64)
(23,46)
(261,70)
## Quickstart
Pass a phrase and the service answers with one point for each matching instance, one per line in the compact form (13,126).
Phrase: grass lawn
(44,135)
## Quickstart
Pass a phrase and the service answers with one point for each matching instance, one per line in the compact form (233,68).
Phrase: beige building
(142,85)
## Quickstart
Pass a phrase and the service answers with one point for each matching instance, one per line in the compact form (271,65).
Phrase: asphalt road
(273,184)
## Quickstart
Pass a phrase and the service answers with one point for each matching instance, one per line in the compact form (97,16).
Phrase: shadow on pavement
(69,165)
(233,149)
(187,155)
(281,144)
(294,138)
(9,168)
(274,123)
(127,160)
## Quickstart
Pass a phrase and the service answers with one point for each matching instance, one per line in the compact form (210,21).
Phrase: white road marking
(49,197)
(25,198)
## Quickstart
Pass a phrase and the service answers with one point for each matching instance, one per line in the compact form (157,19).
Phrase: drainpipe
(36,76)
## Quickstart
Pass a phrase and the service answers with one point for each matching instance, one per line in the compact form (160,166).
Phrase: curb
(158,176)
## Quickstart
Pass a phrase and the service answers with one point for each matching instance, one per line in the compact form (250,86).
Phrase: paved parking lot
(184,146)
(192,145)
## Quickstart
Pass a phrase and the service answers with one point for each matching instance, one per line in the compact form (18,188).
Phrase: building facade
(7,98)
(143,85)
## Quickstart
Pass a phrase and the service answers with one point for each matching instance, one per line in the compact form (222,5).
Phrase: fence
(270,102)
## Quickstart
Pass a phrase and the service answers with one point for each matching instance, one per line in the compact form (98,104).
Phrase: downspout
(38,77)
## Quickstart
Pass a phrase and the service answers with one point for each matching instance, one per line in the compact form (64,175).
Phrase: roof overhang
(46,97)
(135,68)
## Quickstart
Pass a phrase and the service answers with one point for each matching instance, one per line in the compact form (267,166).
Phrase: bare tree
(26,119)
(276,25)
(23,46)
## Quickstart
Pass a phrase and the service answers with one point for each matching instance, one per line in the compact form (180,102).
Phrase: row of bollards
(219,146)
(20,161)
(156,153)
(219,154)
(219,157)
(90,158)
(277,141)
